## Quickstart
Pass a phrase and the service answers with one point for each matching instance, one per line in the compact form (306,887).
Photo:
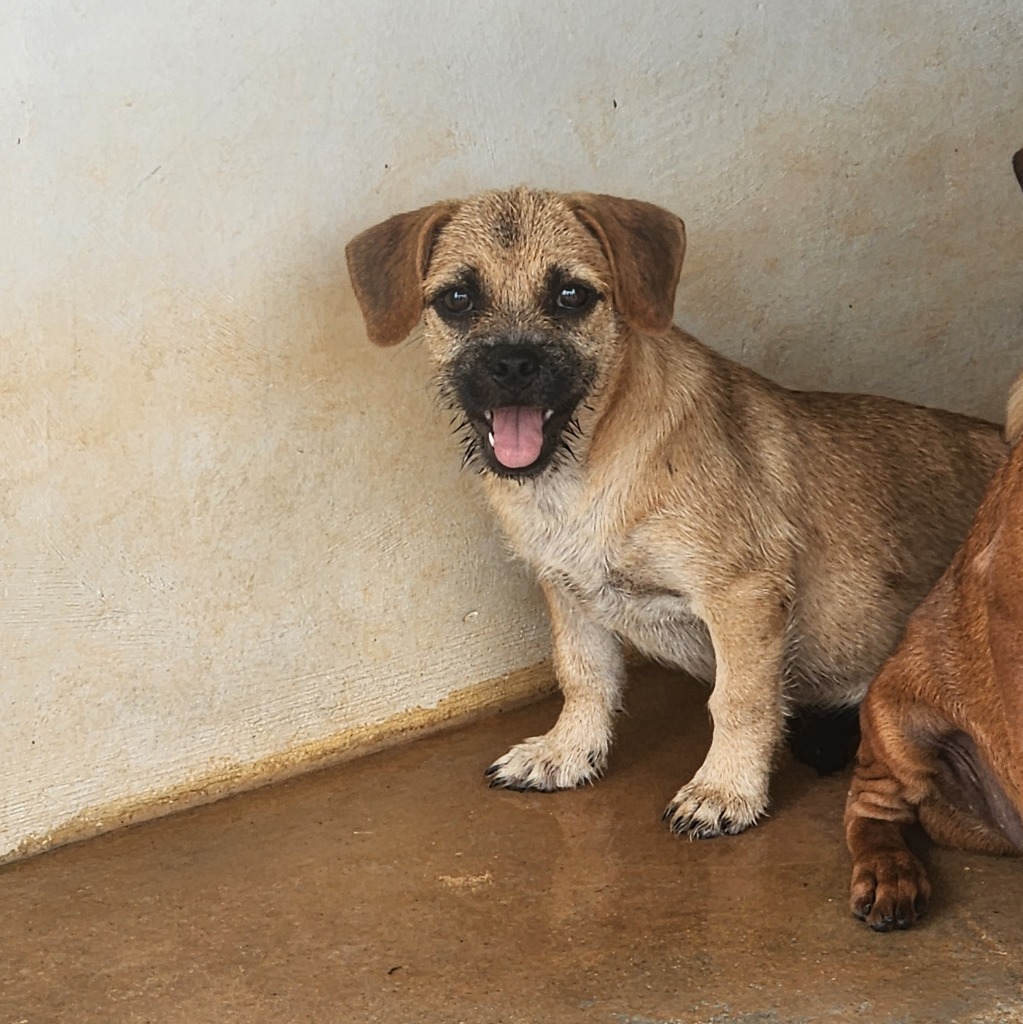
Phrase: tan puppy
(943,721)
(769,541)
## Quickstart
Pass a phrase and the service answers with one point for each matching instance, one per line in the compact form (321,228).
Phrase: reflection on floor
(398,888)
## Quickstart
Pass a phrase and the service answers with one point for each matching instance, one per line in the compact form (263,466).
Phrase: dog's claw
(514,787)
(498,780)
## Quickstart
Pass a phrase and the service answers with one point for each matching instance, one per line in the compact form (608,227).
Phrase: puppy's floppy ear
(644,245)
(387,264)
(1017,166)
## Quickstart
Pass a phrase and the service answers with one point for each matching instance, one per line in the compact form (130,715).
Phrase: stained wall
(234,538)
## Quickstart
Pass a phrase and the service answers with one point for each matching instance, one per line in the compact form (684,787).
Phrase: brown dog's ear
(644,245)
(387,264)
(1014,413)
(1017,166)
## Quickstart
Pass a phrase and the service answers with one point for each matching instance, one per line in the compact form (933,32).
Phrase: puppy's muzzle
(519,395)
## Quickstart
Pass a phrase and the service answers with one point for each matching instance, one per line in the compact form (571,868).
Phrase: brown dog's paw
(541,763)
(889,890)
(702,811)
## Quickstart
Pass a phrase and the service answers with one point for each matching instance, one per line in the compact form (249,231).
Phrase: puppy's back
(887,493)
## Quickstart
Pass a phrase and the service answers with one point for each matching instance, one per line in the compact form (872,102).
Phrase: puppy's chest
(607,571)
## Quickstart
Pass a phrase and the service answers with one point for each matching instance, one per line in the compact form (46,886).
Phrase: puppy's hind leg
(823,738)
(590,669)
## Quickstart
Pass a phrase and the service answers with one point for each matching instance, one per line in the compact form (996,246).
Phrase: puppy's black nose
(513,364)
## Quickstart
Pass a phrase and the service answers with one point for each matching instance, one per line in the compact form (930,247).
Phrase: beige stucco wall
(233,536)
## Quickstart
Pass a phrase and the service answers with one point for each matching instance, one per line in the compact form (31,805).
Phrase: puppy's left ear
(387,264)
(644,245)
(1017,166)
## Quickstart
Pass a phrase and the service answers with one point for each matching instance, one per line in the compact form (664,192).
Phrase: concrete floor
(399,888)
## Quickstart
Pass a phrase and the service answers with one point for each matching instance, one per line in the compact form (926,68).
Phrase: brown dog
(942,724)
(767,540)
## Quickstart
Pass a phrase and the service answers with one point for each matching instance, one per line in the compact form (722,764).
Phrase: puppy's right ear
(644,246)
(387,264)
(1017,166)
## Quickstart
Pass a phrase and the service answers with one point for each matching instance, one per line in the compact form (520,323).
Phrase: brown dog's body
(942,724)
(943,720)
(769,541)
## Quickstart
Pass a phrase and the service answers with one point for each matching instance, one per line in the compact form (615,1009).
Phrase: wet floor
(399,888)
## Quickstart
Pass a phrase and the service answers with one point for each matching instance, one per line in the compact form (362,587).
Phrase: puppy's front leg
(590,670)
(747,624)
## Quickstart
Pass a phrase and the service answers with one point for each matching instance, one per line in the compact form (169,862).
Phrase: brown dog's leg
(889,886)
(590,668)
(915,765)
(969,809)
(951,826)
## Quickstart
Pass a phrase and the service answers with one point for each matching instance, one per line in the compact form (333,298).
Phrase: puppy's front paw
(703,811)
(889,889)
(542,763)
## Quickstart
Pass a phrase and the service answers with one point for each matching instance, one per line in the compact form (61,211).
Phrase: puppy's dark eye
(574,298)
(455,302)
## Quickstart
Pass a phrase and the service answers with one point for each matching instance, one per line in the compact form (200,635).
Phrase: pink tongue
(518,436)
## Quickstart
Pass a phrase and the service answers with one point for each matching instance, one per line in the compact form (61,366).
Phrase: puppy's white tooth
(488,416)
(547,415)
(490,438)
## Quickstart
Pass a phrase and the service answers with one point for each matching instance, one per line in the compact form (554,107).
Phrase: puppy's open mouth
(516,401)
(516,434)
